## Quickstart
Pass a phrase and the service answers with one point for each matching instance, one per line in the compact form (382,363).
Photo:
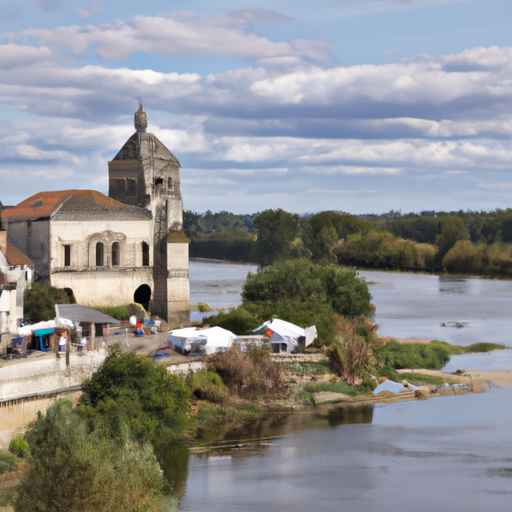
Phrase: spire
(140,119)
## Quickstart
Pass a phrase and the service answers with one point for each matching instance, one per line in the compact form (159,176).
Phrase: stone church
(117,249)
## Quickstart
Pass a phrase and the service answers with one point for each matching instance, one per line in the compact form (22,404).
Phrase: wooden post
(93,336)
(68,347)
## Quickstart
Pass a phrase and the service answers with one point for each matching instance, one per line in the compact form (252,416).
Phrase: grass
(336,387)
(432,356)
(118,312)
(321,368)
(419,379)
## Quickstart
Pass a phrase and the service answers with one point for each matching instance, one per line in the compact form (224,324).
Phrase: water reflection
(444,453)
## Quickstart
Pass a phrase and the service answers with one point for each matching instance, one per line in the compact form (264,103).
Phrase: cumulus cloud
(14,55)
(182,33)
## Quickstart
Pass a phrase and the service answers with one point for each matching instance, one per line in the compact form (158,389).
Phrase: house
(16,275)
(127,247)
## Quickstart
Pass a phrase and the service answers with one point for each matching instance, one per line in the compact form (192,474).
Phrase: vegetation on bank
(40,300)
(467,242)
(300,292)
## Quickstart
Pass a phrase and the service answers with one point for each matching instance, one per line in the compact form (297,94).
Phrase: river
(449,453)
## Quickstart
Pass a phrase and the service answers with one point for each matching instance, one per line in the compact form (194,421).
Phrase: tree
(276,231)
(131,390)
(321,231)
(346,294)
(451,229)
(74,469)
(40,300)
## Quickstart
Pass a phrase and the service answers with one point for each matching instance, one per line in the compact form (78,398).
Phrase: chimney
(3,240)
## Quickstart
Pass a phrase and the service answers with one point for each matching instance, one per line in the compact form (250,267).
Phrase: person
(62,342)
(84,345)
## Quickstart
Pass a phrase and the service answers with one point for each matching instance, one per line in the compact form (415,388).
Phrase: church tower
(146,174)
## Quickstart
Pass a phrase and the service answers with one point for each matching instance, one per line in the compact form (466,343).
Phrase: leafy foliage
(40,300)
(130,390)
(276,231)
(299,280)
(207,386)
(452,229)
(75,470)
(19,447)
(414,355)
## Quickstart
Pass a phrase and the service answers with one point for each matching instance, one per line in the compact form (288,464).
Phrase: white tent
(282,332)
(213,339)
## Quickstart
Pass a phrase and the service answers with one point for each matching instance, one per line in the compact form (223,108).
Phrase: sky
(362,106)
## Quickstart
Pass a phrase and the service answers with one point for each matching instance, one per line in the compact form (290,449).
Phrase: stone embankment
(29,386)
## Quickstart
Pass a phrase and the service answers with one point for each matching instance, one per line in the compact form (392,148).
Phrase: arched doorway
(142,296)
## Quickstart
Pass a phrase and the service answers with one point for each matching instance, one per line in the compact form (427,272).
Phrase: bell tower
(146,174)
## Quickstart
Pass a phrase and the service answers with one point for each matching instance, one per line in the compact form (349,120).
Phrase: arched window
(99,254)
(159,182)
(170,184)
(145,254)
(115,254)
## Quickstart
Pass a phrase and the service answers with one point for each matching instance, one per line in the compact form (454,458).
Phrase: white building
(118,249)
(16,275)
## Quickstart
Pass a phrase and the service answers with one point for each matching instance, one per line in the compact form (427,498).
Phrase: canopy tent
(285,333)
(208,341)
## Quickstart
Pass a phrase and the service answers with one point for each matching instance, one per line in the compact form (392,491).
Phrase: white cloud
(15,56)
(182,33)
(89,10)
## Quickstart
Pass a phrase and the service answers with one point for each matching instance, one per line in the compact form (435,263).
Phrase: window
(67,255)
(159,182)
(131,187)
(145,254)
(99,254)
(170,184)
(115,254)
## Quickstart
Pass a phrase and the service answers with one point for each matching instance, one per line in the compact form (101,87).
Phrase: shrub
(461,257)
(207,386)
(75,470)
(239,321)
(19,447)
(7,461)
(129,389)
(351,355)
(414,355)
(251,375)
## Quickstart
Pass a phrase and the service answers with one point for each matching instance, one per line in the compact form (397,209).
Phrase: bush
(414,355)
(75,470)
(298,280)
(119,312)
(461,257)
(7,461)
(251,375)
(40,300)
(131,390)
(238,321)
(207,386)
(19,447)
(351,355)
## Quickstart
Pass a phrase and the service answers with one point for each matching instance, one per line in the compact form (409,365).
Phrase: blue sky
(361,106)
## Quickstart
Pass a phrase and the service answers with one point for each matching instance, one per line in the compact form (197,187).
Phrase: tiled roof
(15,257)
(74,205)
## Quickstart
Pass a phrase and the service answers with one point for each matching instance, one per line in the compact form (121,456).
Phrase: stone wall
(16,414)
(22,378)
(29,386)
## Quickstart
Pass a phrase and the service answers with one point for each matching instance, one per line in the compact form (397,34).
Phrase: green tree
(131,390)
(40,300)
(320,232)
(451,230)
(340,287)
(72,469)
(276,231)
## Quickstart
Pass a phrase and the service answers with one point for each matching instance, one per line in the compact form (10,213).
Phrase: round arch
(142,296)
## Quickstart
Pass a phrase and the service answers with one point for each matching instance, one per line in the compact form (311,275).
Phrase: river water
(451,453)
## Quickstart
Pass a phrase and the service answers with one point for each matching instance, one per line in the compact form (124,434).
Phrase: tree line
(462,241)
